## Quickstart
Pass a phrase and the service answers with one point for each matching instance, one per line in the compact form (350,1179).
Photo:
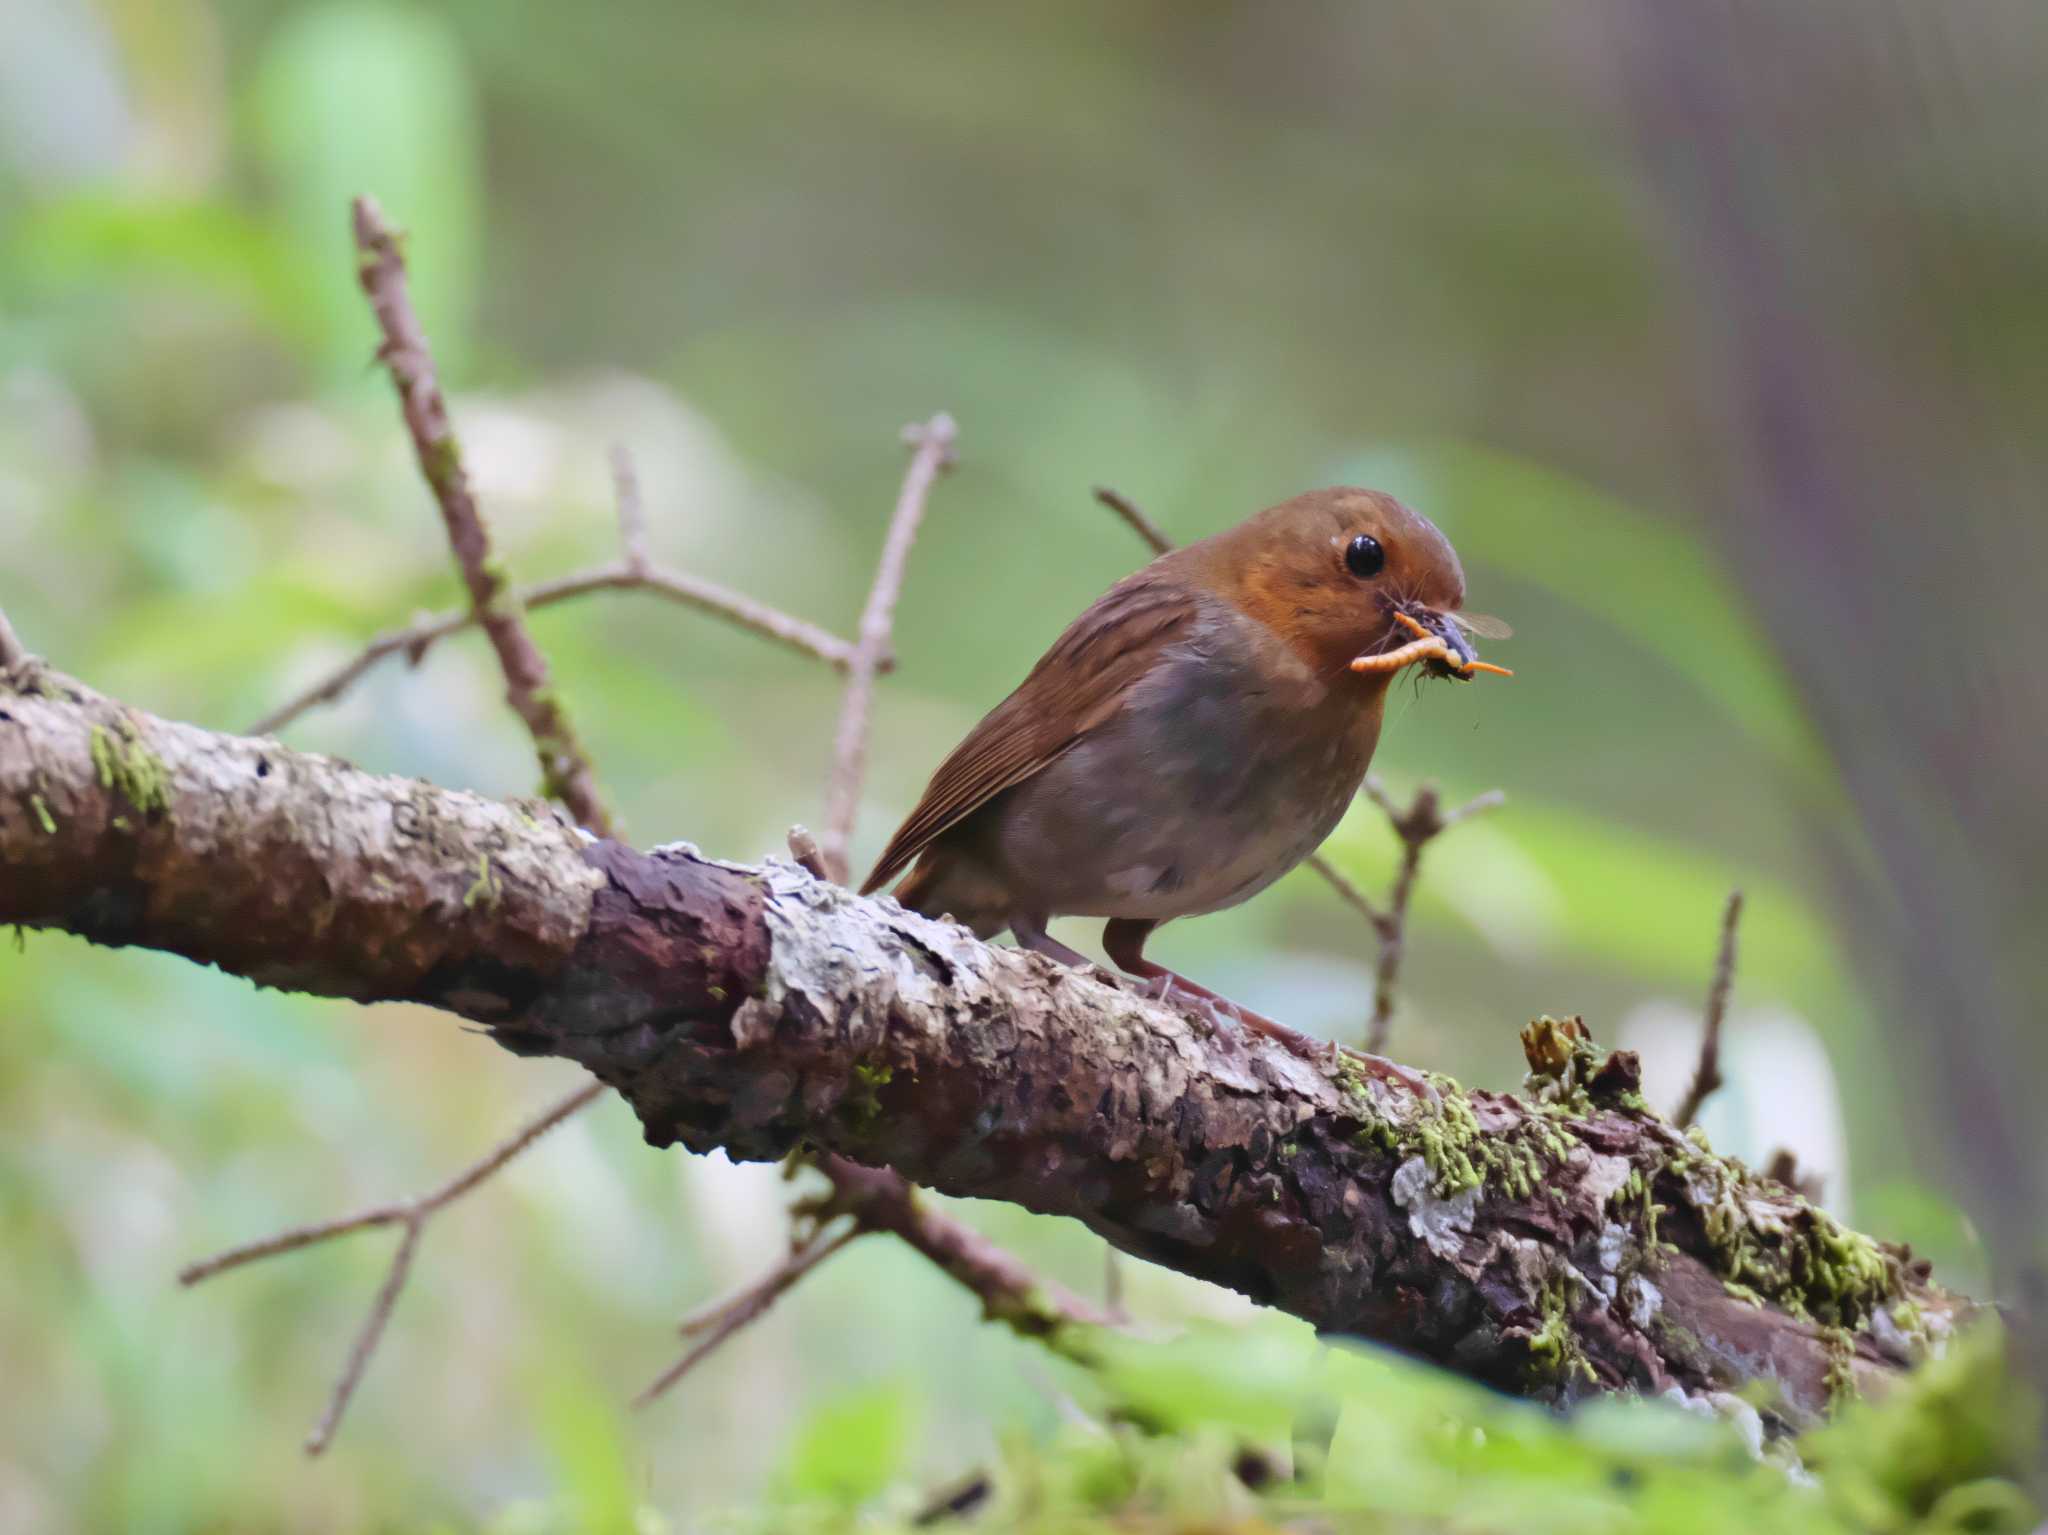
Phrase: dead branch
(411,1214)
(1134,516)
(624,575)
(883,1207)
(412,1211)
(1555,1244)
(931,453)
(565,771)
(721,1320)
(632,515)
(1706,1076)
(1419,825)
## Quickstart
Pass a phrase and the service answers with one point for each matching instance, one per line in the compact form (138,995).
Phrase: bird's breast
(1220,773)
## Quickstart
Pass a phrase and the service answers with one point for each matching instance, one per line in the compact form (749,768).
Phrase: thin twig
(931,447)
(720,1321)
(413,1214)
(367,1339)
(565,771)
(1706,1077)
(1349,893)
(1132,514)
(632,515)
(1417,826)
(414,641)
(11,650)
(882,1200)
(419,1207)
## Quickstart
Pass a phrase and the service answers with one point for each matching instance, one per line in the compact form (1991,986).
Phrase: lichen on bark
(1556,1241)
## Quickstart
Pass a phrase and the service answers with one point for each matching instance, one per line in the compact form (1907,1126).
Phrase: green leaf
(850,1448)
(588,1443)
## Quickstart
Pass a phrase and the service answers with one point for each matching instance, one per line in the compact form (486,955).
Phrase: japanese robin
(1192,736)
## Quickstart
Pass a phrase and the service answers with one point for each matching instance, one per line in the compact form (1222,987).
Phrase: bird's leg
(1029,931)
(1123,940)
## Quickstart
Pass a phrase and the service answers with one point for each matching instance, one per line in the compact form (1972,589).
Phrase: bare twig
(1706,1077)
(1010,1293)
(367,1339)
(417,1208)
(1133,515)
(11,650)
(632,515)
(880,1200)
(717,1323)
(414,641)
(931,447)
(1784,1167)
(1417,826)
(412,1214)
(565,771)
(803,847)
(1349,893)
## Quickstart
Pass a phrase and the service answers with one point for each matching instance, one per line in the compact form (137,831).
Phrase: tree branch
(1554,1244)
(1706,1076)
(1419,825)
(931,446)
(565,771)
(412,1214)
(625,575)
(719,1322)
(1134,518)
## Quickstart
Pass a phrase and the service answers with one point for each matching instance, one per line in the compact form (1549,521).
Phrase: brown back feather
(1076,686)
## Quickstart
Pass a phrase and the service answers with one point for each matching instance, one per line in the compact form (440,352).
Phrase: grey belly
(1181,805)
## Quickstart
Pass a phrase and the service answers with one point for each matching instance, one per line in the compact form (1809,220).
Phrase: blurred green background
(1713,336)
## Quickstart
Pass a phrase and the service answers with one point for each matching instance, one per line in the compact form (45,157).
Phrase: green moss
(1447,1135)
(1785,1250)
(484,890)
(442,461)
(1554,1348)
(127,766)
(863,1100)
(1841,1376)
(1767,1247)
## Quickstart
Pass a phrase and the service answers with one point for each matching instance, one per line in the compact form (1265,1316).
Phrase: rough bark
(1556,1242)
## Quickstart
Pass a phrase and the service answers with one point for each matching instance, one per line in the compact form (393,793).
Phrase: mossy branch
(1556,1241)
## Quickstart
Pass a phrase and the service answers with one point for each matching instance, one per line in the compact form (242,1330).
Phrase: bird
(1191,737)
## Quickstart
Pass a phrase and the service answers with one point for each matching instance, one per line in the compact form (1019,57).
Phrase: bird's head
(1353,580)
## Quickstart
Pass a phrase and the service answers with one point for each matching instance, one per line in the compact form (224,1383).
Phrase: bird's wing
(1076,686)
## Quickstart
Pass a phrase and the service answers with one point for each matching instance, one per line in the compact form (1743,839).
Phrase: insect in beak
(1443,645)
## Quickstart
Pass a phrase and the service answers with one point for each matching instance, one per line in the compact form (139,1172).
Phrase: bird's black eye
(1364,556)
